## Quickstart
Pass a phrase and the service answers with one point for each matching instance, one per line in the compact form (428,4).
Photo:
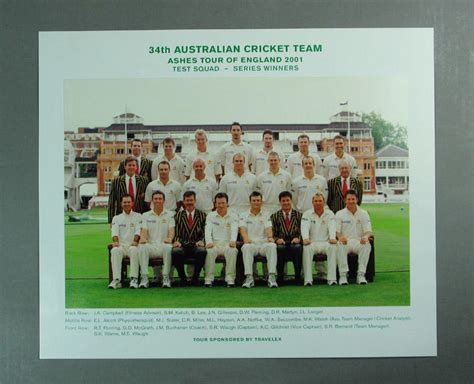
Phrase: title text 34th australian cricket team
(239,204)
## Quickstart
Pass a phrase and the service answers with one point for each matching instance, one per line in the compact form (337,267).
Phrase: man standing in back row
(212,165)
(260,158)
(227,152)
(331,162)
(294,162)
(176,163)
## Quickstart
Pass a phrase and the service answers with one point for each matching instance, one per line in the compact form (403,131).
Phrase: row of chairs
(352,261)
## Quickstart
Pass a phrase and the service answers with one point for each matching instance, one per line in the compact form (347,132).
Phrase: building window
(379,164)
(395,164)
(108,185)
(381,180)
(108,151)
(367,183)
(366,166)
(396,181)
(120,151)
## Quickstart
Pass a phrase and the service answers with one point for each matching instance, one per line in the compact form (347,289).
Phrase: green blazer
(279,227)
(335,198)
(119,188)
(145,168)
(188,236)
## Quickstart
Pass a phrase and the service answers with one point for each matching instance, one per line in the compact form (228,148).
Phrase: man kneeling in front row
(353,229)
(155,239)
(256,232)
(125,236)
(318,230)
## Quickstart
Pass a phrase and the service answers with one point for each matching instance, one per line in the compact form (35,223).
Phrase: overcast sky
(94,103)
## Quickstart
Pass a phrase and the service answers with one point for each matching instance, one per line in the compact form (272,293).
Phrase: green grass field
(87,274)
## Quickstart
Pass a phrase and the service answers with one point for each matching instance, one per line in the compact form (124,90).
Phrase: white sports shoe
(343,279)
(114,284)
(166,282)
(144,283)
(332,282)
(308,283)
(134,283)
(361,278)
(248,283)
(272,281)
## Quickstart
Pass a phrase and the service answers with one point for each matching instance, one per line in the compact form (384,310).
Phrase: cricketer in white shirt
(353,229)
(156,238)
(318,230)
(125,235)
(221,234)
(256,231)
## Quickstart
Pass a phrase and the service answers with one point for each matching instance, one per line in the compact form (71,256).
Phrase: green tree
(385,132)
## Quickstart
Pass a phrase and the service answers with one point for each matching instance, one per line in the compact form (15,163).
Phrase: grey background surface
(20,22)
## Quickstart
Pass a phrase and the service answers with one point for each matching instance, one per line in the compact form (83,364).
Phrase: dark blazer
(335,198)
(145,168)
(119,188)
(279,227)
(182,232)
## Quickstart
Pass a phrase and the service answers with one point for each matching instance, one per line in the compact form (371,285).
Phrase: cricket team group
(237,204)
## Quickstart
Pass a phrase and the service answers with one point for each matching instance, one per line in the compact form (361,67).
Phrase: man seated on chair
(125,235)
(189,238)
(318,230)
(256,232)
(353,230)
(221,235)
(155,239)
(286,224)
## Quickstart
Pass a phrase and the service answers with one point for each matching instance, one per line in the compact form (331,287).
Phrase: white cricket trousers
(353,246)
(117,254)
(323,247)
(269,250)
(153,251)
(230,254)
